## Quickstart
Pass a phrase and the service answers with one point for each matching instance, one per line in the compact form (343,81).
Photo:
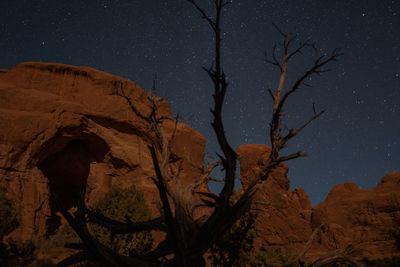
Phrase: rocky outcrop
(62,128)
(284,217)
(367,219)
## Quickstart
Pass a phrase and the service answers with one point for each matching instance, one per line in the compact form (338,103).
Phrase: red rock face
(284,219)
(62,128)
(367,219)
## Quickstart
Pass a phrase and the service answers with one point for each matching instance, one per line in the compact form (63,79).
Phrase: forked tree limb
(117,227)
(103,255)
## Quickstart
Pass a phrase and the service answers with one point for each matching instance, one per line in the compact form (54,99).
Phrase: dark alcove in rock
(67,171)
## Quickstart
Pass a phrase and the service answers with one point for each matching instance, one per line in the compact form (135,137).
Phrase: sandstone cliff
(367,219)
(62,128)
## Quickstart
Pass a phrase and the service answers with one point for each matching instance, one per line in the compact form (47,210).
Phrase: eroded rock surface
(367,219)
(63,128)
(284,217)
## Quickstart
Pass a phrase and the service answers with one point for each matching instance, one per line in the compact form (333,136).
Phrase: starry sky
(357,139)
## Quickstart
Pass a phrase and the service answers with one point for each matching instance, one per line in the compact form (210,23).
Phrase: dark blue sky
(357,139)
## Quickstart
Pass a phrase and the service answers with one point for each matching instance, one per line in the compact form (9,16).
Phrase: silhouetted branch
(117,227)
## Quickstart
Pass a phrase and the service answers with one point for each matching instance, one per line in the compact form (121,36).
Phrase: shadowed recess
(67,171)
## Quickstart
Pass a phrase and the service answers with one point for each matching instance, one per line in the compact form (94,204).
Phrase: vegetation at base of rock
(8,213)
(9,221)
(50,251)
(123,204)
(238,247)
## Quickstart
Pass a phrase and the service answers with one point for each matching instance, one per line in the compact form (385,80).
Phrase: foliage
(269,256)
(9,221)
(237,244)
(123,204)
(50,251)
(8,213)
(237,248)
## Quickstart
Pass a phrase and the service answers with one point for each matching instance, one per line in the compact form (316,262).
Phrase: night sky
(357,139)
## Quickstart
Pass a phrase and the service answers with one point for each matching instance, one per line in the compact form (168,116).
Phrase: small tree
(124,205)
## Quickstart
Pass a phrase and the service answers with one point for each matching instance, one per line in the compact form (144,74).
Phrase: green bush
(8,213)
(52,250)
(122,204)
(238,243)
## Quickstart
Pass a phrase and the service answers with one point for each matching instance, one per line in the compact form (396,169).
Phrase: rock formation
(284,215)
(367,219)
(62,128)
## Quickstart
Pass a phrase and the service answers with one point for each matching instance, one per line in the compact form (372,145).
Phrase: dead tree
(188,239)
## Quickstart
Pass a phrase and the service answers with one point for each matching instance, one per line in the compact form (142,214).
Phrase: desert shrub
(51,250)
(8,213)
(9,221)
(236,246)
(269,256)
(123,204)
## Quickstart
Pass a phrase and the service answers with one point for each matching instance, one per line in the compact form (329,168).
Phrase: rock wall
(284,217)
(367,219)
(62,128)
